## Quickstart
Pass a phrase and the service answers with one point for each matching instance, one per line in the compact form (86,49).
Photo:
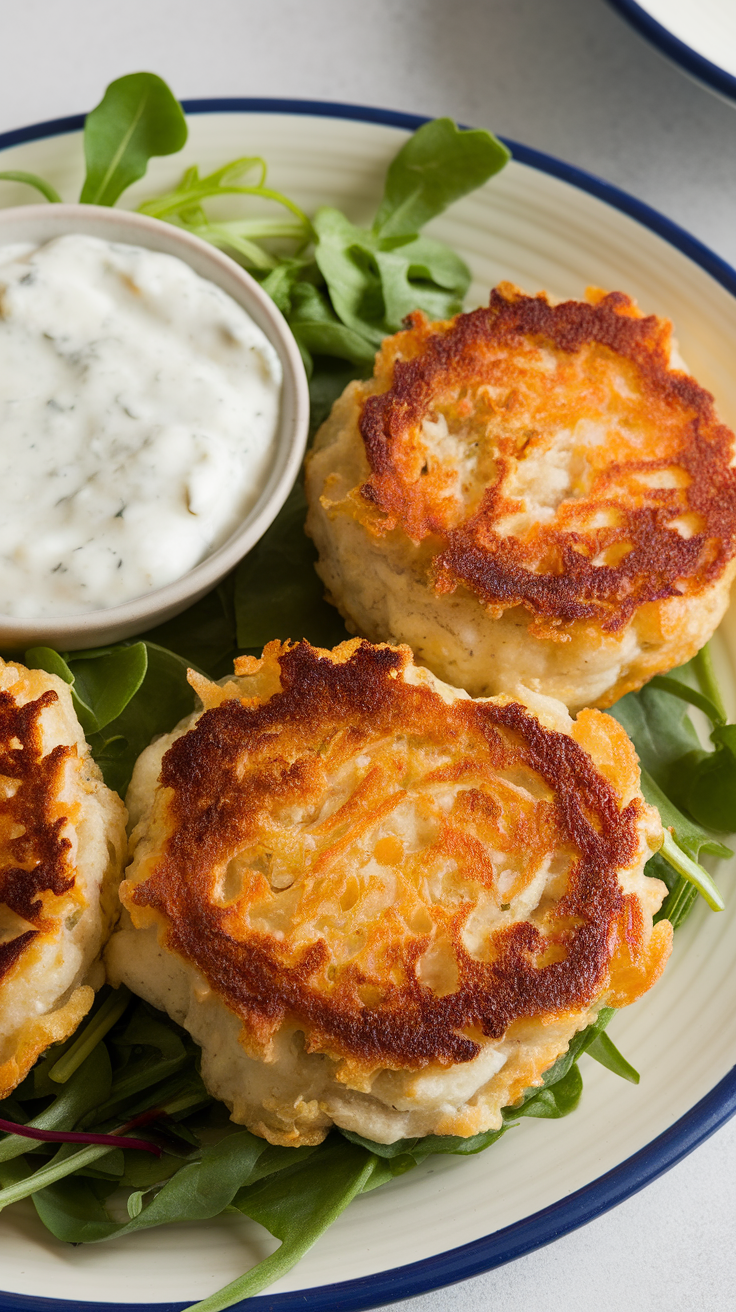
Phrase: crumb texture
(529,494)
(62,846)
(378,903)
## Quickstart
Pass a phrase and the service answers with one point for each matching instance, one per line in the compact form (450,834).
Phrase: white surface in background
(707,26)
(567,76)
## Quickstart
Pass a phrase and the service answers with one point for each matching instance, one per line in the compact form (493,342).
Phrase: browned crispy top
(342,857)
(523,387)
(34,854)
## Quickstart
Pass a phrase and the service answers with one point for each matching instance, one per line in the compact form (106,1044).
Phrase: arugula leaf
(374,282)
(32,180)
(318,331)
(278,594)
(438,165)
(137,118)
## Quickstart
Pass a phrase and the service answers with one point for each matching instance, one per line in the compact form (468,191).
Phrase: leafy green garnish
(102,680)
(32,180)
(438,165)
(123,695)
(184,206)
(657,722)
(137,118)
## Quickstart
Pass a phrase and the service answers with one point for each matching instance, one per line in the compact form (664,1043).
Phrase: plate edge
(672,47)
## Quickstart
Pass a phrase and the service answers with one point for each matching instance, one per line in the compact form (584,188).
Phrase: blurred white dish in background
(699,35)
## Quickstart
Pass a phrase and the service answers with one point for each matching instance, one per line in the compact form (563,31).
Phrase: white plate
(699,35)
(540,224)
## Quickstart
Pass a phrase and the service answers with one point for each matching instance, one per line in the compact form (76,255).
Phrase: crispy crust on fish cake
(406,901)
(62,843)
(530,494)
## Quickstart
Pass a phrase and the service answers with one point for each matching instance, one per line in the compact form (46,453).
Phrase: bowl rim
(146,610)
(704,1117)
(690,60)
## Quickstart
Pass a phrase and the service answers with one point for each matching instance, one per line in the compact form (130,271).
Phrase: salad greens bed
(134,1140)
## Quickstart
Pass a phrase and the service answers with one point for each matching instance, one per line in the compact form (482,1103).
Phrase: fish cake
(62,847)
(529,495)
(377,903)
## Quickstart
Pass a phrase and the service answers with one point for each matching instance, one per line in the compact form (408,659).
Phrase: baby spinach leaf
(102,680)
(327,382)
(32,180)
(604,1050)
(559,1099)
(137,118)
(659,727)
(197,1191)
(163,698)
(278,594)
(297,1205)
(437,165)
(708,781)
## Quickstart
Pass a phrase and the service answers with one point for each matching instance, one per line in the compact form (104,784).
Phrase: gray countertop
(565,76)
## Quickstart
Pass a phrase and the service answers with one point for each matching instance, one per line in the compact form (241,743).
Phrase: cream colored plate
(700,35)
(538,231)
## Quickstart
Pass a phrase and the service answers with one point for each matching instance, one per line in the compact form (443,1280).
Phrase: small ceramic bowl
(39,223)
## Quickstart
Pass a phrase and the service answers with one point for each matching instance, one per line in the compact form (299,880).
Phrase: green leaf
(196,1192)
(708,781)
(659,727)
(137,119)
(559,1099)
(296,1205)
(278,594)
(345,256)
(421,275)
(102,680)
(328,381)
(318,331)
(604,1050)
(88,1087)
(676,688)
(32,180)
(437,165)
(163,698)
(689,869)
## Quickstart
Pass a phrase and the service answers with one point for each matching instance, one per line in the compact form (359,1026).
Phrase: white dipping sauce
(138,414)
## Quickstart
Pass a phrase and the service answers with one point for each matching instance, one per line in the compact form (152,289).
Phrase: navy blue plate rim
(678,51)
(687,1133)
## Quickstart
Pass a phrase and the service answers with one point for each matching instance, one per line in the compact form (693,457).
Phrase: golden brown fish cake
(62,845)
(378,903)
(529,495)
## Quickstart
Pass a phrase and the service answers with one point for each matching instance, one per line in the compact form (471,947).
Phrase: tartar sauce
(138,413)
